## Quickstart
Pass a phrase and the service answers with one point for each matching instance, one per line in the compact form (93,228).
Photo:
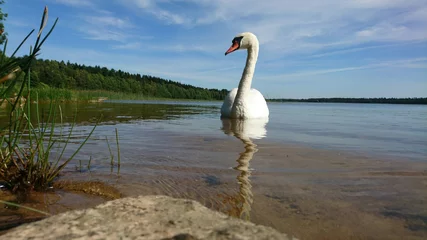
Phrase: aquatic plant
(111,152)
(27,143)
(118,151)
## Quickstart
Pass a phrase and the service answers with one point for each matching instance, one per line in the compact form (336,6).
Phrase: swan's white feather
(252,106)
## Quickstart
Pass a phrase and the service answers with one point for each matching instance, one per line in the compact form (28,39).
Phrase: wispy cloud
(149,6)
(180,48)
(169,17)
(109,21)
(98,23)
(103,34)
(75,3)
(107,27)
(360,49)
(402,63)
(301,26)
(128,46)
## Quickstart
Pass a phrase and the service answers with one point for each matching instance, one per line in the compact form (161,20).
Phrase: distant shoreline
(422,101)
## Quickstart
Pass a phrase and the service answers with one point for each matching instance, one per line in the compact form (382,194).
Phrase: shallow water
(385,130)
(315,170)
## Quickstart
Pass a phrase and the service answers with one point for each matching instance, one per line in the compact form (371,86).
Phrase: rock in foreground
(144,217)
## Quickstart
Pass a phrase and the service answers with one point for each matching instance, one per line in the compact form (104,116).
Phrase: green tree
(62,74)
(3,17)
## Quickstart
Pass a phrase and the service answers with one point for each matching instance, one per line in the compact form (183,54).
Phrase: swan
(244,102)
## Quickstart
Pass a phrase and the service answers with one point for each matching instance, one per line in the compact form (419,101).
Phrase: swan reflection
(245,131)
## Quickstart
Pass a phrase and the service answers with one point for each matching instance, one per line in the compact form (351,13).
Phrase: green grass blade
(25,207)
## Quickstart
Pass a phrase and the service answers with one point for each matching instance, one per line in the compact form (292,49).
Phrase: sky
(308,48)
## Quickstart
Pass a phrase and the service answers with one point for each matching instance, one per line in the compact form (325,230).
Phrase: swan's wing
(256,95)
(257,105)
(228,103)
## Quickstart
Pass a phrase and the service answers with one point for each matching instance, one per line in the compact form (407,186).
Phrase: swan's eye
(237,40)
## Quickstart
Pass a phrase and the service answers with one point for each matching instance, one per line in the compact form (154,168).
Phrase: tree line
(419,100)
(59,74)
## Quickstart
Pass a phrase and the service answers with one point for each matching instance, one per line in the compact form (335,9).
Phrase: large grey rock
(144,217)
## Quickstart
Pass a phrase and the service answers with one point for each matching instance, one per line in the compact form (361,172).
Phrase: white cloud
(287,26)
(75,3)
(103,34)
(402,63)
(162,14)
(143,3)
(416,15)
(391,33)
(169,17)
(107,27)
(129,46)
(108,21)
(358,49)
(180,48)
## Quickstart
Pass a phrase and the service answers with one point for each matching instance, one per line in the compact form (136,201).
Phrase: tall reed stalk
(26,145)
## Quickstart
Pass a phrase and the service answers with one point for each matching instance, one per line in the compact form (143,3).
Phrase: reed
(26,146)
(50,94)
(111,153)
(118,151)
(88,165)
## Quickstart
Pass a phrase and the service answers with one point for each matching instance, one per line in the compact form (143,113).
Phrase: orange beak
(233,48)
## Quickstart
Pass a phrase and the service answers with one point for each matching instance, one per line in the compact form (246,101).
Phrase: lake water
(313,170)
(396,131)
(393,131)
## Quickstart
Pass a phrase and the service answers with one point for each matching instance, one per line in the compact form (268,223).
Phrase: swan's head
(242,41)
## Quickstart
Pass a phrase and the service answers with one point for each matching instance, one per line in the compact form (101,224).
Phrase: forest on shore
(74,76)
(58,74)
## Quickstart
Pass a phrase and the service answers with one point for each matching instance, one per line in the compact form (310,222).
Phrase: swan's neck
(248,73)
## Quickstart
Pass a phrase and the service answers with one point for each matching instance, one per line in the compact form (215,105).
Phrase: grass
(27,161)
(87,95)
(45,93)
(25,207)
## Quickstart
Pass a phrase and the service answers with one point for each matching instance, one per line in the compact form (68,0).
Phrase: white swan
(244,102)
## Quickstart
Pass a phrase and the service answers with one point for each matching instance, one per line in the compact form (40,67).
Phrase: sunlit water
(184,149)
(393,131)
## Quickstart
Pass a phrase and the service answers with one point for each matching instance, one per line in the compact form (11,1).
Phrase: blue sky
(308,48)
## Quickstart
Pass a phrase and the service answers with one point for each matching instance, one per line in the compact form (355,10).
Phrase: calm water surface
(394,131)
(290,172)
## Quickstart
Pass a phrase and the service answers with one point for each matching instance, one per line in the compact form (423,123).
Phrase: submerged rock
(144,217)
